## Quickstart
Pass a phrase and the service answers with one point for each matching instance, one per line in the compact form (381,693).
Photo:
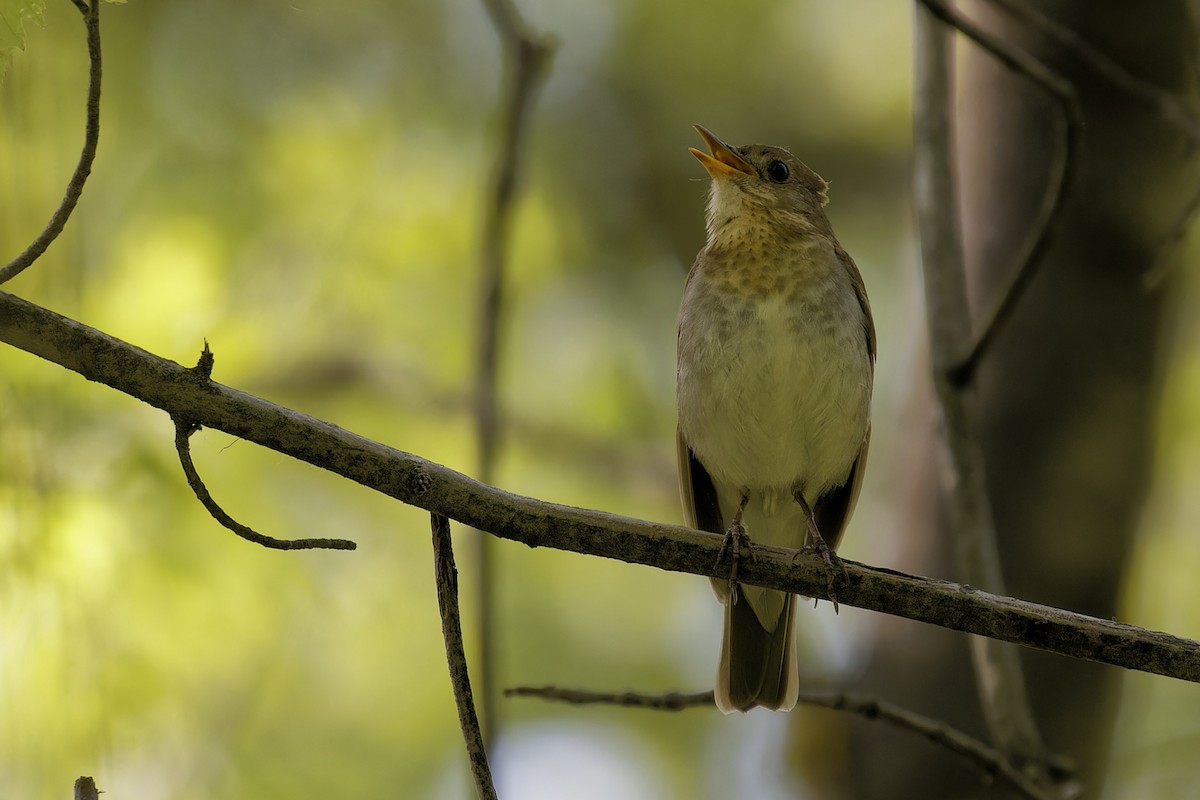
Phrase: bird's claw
(818,547)
(736,539)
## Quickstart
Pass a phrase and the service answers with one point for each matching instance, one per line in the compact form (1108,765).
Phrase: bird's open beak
(724,161)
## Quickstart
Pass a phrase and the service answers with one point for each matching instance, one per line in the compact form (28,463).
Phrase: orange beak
(723,162)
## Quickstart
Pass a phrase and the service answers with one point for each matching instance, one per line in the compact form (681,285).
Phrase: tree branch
(91,18)
(962,361)
(526,58)
(85,786)
(1164,102)
(998,674)
(990,761)
(446,576)
(663,701)
(183,432)
(415,481)
(184,429)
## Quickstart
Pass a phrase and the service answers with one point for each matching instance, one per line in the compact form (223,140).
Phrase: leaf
(14,14)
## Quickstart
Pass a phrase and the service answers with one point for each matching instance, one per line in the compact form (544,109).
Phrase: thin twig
(202,375)
(446,576)
(85,786)
(1068,128)
(183,432)
(91,17)
(422,483)
(526,58)
(992,763)
(1166,103)
(662,701)
(998,673)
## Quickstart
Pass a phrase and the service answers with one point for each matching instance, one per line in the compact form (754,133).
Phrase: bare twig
(991,762)
(1164,102)
(91,17)
(202,373)
(663,701)
(183,432)
(85,786)
(435,488)
(526,59)
(962,361)
(446,576)
(999,677)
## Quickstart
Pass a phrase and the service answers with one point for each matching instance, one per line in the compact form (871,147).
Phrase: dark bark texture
(1069,393)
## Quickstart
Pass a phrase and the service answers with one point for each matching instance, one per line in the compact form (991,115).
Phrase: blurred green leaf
(14,14)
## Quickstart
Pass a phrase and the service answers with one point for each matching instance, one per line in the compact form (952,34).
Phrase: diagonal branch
(415,481)
(987,759)
(91,17)
(1164,102)
(446,575)
(1068,129)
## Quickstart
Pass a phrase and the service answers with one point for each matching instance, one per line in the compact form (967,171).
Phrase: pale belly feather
(777,400)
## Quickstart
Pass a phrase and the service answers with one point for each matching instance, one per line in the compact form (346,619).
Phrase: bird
(776,363)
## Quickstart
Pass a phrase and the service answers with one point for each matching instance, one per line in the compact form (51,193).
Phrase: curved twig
(1062,169)
(202,374)
(1165,103)
(91,16)
(446,575)
(1069,125)
(989,760)
(183,432)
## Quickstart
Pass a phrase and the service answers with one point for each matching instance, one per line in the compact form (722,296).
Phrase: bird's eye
(778,171)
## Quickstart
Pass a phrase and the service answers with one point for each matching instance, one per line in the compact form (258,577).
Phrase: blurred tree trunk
(1068,395)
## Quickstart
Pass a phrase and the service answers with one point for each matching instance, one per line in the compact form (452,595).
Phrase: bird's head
(760,184)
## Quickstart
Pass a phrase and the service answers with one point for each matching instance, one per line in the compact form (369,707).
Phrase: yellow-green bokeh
(301,185)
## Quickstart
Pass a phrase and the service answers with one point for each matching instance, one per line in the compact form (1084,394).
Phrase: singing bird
(776,364)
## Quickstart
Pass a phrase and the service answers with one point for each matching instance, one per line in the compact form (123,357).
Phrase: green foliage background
(301,185)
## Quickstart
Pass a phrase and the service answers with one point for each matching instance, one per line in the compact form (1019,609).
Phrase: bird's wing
(833,509)
(700,507)
(860,291)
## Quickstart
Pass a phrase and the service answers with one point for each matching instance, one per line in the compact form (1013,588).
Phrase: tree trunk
(1069,393)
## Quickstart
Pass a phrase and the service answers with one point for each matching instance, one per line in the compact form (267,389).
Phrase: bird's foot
(816,545)
(736,540)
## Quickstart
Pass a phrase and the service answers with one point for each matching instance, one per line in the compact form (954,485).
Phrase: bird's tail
(758,666)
